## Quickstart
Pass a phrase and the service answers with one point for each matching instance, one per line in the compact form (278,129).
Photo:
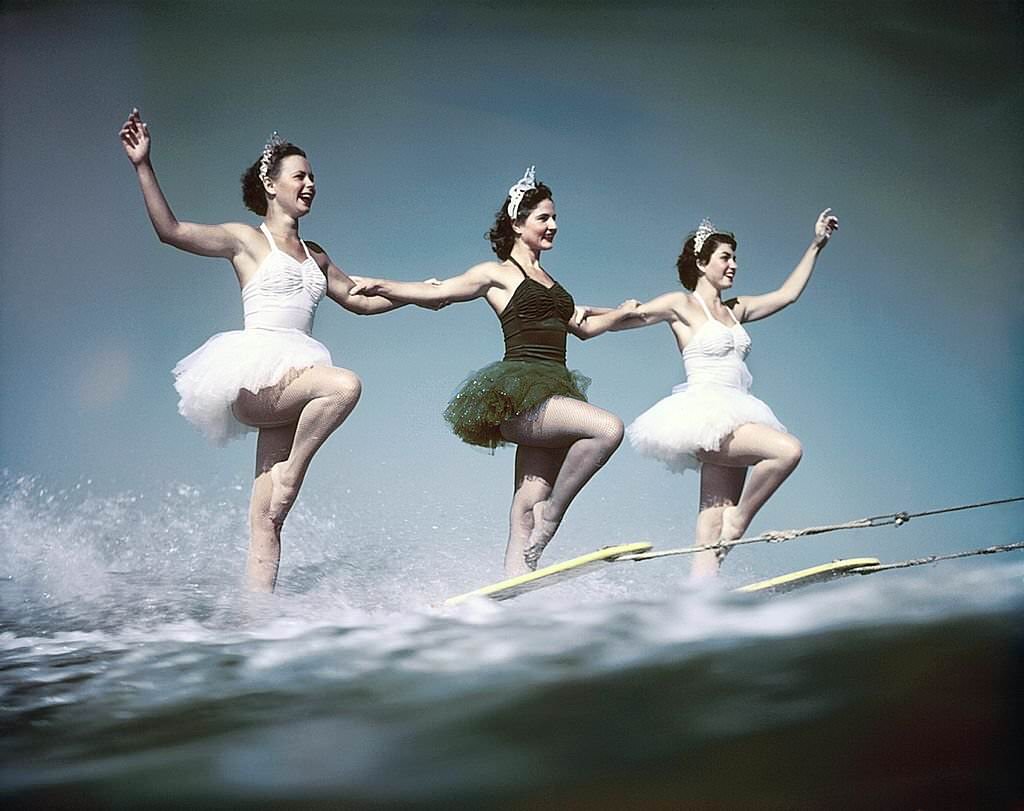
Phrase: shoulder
(682,302)
(491,271)
(737,306)
(319,254)
(315,247)
(243,231)
(247,238)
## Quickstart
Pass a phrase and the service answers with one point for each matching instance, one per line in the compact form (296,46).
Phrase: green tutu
(491,395)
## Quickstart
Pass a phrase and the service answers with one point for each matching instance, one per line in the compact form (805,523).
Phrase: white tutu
(696,416)
(209,379)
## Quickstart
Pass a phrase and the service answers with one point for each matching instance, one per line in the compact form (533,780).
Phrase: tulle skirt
(209,379)
(491,395)
(695,417)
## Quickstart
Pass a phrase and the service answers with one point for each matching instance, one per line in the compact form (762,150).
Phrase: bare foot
(543,531)
(283,493)
(733,525)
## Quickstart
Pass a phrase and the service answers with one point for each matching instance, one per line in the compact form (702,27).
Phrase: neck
(525,256)
(707,291)
(280,224)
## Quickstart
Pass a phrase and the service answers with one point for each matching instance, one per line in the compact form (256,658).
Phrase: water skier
(529,398)
(272,376)
(712,422)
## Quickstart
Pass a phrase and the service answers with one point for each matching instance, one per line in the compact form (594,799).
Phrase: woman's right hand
(135,138)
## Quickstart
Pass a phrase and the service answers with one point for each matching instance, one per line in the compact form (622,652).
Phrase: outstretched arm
(340,284)
(206,240)
(665,307)
(472,284)
(592,321)
(752,308)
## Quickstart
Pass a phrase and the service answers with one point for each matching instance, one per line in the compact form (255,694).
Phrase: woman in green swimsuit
(529,398)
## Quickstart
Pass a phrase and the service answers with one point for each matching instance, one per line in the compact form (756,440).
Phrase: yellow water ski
(549,575)
(805,577)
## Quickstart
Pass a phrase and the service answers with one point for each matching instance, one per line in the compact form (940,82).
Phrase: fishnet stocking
(547,483)
(295,417)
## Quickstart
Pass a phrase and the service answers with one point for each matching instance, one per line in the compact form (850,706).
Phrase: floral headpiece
(526,183)
(268,154)
(704,230)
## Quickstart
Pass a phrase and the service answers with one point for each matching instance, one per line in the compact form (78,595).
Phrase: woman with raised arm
(529,398)
(711,422)
(272,376)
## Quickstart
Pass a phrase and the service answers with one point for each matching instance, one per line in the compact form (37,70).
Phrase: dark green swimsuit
(534,322)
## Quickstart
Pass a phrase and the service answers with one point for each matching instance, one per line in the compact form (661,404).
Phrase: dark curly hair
(253,194)
(686,264)
(501,235)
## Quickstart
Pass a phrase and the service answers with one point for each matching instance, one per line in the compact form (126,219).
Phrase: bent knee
(613,431)
(346,384)
(792,451)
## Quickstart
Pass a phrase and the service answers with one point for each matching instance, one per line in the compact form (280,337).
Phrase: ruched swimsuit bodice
(716,353)
(284,293)
(535,321)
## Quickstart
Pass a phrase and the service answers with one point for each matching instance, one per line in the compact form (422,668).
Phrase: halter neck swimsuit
(710,405)
(534,323)
(278,305)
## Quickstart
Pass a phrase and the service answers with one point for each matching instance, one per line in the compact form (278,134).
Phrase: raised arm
(752,308)
(206,240)
(472,284)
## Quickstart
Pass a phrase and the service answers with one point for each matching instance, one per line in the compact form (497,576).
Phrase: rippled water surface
(134,673)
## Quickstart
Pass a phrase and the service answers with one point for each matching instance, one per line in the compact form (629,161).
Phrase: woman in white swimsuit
(711,422)
(272,376)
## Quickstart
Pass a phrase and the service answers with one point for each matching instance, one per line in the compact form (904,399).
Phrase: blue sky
(900,369)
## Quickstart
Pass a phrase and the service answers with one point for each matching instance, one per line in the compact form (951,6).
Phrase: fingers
(362,286)
(827,223)
(134,132)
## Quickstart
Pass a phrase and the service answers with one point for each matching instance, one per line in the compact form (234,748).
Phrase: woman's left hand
(826,225)
(364,286)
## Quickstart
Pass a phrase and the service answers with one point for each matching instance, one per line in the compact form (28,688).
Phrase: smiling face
(537,231)
(293,186)
(720,269)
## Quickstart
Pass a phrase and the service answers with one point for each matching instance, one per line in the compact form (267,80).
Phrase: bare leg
(536,471)
(720,487)
(588,434)
(317,400)
(273,446)
(295,417)
(772,455)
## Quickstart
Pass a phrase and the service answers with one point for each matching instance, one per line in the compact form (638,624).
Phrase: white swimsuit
(278,304)
(710,405)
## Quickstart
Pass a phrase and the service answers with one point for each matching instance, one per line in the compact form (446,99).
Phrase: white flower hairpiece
(704,230)
(526,183)
(268,154)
